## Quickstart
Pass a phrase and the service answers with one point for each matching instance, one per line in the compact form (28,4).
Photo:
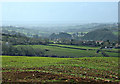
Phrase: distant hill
(25,31)
(100,34)
(60,35)
(46,32)
(91,27)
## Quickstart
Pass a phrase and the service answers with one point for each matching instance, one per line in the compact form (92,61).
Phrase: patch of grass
(112,54)
(111,50)
(28,62)
(74,46)
(115,33)
(89,62)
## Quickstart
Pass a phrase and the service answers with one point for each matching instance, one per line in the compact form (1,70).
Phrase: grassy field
(73,46)
(66,52)
(84,47)
(56,51)
(84,66)
(114,50)
(48,69)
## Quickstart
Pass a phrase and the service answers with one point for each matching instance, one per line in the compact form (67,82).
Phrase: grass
(28,62)
(66,52)
(115,33)
(71,52)
(88,62)
(112,54)
(73,46)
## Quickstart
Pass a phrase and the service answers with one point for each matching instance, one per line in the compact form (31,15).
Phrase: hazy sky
(59,12)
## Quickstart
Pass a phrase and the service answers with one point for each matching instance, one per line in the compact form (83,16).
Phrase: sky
(59,12)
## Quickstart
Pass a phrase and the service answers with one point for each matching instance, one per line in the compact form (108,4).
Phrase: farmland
(73,46)
(60,42)
(58,59)
(48,69)
(61,63)
(70,51)
(56,51)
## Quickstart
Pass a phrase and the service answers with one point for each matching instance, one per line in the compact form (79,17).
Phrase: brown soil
(40,77)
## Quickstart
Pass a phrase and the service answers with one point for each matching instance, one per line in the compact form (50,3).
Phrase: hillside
(91,27)
(61,35)
(100,34)
(47,30)
(25,31)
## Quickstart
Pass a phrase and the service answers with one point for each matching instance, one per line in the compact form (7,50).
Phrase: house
(117,45)
(99,42)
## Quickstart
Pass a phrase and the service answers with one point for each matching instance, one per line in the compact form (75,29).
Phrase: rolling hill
(100,34)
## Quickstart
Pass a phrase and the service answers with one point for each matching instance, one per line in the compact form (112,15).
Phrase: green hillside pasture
(114,50)
(73,46)
(112,54)
(115,33)
(64,52)
(95,68)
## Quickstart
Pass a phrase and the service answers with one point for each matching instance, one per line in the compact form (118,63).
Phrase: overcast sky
(59,12)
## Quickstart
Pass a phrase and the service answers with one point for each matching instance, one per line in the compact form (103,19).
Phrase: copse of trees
(8,49)
(61,35)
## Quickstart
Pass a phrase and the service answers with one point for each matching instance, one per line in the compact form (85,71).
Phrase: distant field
(48,69)
(62,51)
(112,50)
(73,46)
(78,32)
(65,52)
(112,54)
(115,33)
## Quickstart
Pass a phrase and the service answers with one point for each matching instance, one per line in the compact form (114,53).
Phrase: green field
(74,65)
(114,50)
(58,51)
(99,69)
(115,33)
(66,52)
(73,46)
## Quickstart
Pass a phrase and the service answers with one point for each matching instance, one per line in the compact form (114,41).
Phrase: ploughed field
(49,69)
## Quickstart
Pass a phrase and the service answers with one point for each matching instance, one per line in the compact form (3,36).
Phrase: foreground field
(47,69)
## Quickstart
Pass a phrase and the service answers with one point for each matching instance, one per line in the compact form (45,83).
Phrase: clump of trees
(61,35)
(8,49)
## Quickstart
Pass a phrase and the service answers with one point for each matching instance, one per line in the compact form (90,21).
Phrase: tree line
(8,49)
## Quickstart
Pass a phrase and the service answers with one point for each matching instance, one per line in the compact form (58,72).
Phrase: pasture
(68,51)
